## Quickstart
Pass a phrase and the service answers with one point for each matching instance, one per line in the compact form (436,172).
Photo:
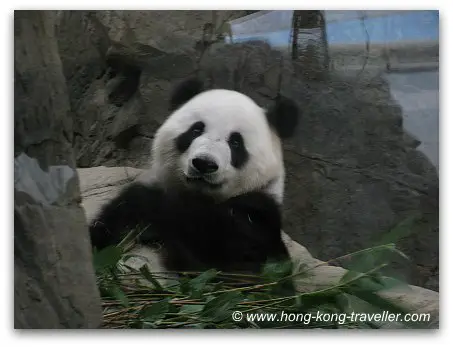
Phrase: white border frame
(212,338)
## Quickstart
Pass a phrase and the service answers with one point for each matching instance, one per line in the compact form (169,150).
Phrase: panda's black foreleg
(240,233)
(136,206)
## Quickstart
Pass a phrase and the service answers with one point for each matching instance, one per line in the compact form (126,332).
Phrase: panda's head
(221,143)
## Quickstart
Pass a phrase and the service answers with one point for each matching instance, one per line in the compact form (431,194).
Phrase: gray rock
(114,63)
(54,282)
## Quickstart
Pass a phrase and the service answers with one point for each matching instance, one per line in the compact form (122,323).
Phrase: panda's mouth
(201,182)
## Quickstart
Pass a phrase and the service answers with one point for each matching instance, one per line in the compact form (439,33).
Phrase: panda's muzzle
(204,165)
(202,170)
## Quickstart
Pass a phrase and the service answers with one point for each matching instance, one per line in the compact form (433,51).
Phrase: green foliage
(221,307)
(139,299)
(106,259)
(155,311)
(400,231)
(149,276)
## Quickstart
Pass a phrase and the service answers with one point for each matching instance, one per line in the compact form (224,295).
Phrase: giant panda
(213,194)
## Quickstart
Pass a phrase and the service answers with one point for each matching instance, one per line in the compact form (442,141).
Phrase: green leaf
(377,301)
(148,325)
(156,311)
(373,282)
(184,286)
(116,292)
(220,308)
(400,231)
(367,284)
(275,271)
(349,276)
(258,296)
(149,277)
(390,283)
(198,284)
(106,258)
(366,262)
(189,309)
(200,281)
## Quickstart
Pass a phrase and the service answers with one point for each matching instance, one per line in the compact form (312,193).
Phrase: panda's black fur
(239,234)
(196,231)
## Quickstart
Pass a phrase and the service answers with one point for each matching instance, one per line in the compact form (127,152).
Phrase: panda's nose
(204,165)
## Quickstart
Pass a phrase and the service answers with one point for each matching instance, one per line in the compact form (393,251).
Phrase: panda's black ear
(185,91)
(284,116)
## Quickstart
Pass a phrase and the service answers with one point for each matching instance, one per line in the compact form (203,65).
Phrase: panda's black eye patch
(184,140)
(239,154)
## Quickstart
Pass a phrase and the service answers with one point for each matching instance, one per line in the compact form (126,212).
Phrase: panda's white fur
(223,111)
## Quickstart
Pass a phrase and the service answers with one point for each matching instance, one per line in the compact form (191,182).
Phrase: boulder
(54,282)
(119,66)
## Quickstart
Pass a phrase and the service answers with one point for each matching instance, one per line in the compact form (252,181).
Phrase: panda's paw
(254,201)
(258,208)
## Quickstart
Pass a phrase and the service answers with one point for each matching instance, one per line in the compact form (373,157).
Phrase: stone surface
(54,283)
(118,65)
(320,275)
(100,185)
(352,171)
